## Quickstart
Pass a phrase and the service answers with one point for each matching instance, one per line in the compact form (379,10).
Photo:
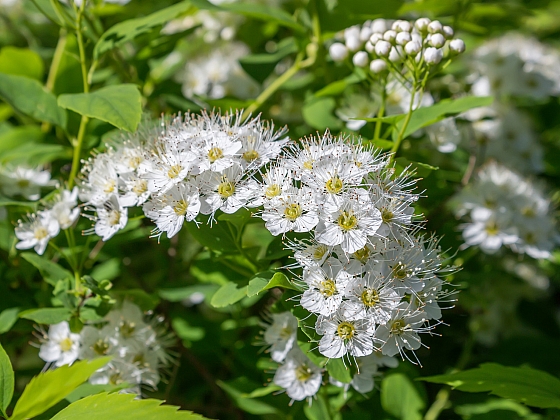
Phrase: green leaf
(338,371)
(420,169)
(122,407)
(318,410)
(35,153)
(338,87)
(400,398)
(181,293)
(129,29)
(379,143)
(120,105)
(21,61)
(6,381)
(47,315)
(227,295)
(8,318)
(318,114)
(267,280)
(51,271)
(48,388)
(238,388)
(86,389)
(424,116)
(22,134)
(260,66)
(139,297)
(187,332)
(30,97)
(528,386)
(261,392)
(218,237)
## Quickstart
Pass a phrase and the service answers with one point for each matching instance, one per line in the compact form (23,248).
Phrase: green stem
(381,112)
(77,152)
(273,87)
(397,143)
(53,70)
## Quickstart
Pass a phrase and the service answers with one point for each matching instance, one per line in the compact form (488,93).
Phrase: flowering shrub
(269,208)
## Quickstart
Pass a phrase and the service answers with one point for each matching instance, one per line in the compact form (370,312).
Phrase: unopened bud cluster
(383,44)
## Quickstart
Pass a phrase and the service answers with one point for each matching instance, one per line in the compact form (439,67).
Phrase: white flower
(489,230)
(216,152)
(24,181)
(281,335)
(296,211)
(100,179)
(338,51)
(276,183)
(299,376)
(171,209)
(349,226)
(37,232)
(343,336)
(111,217)
(259,144)
(444,135)
(65,209)
(325,287)
(61,345)
(97,342)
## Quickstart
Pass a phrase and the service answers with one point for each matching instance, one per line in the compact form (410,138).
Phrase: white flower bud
(353,43)
(377,66)
(382,48)
(389,35)
(395,25)
(448,32)
(404,26)
(437,40)
(370,47)
(379,26)
(338,51)
(375,37)
(457,46)
(360,59)
(433,55)
(365,33)
(396,54)
(417,37)
(435,27)
(412,48)
(403,37)
(352,32)
(422,24)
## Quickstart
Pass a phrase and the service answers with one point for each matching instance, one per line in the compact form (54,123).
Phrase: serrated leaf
(86,389)
(129,29)
(22,62)
(528,386)
(31,98)
(338,371)
(51,271)
(400,398)
(122,407)
(48,388)
(227,295)
(47,315)
(6,381)
(120,105)
(8,318)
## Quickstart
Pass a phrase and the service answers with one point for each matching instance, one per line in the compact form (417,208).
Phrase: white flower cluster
(382,44)
(518,65)
(507,210)
(369,278)
(41,227)
(111,182)
(298,375)
(138,348)
(200,164)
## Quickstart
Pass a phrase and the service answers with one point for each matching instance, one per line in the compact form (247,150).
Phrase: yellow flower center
(528,212)
(327,288)
(398,326)
(140,187)
(214,154)
(308,164)
(320,252)
(40,233)
(285,333)
(226,188)
(114,217)
(127,328)
(109,187)
(66,344)
(334,185)
(347,221)
(370,297)
(491,229)
(292,211)
(23,183)
(100,347)
(303,373)
(387,215)
(399,271)
(272,191)
(181,207)
(135,162)
(345,330)
(174,171)
(250,155)
(362,254)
